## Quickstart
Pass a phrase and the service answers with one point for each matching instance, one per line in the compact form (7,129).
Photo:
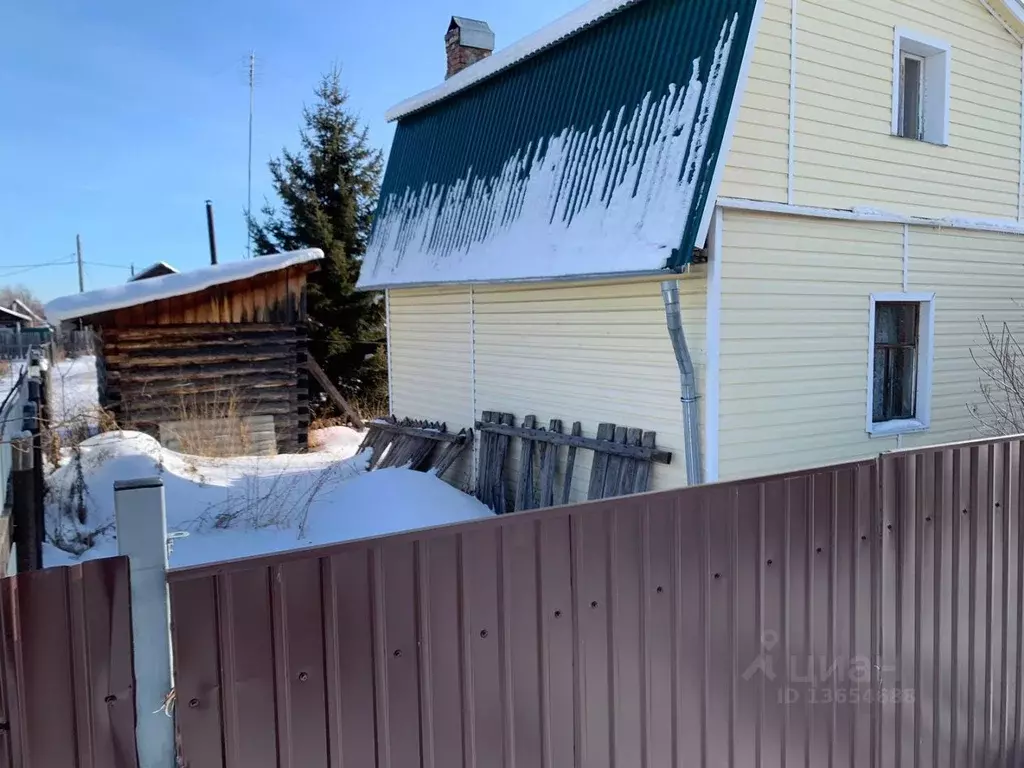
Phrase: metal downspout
(688,382)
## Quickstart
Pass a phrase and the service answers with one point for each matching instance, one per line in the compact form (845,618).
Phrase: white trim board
(730,126)
(387,331)
(1020,180)
(713,342)
(791,158)
(906,257)
(925,366)
(1013,9)
(474,470)
(953,221)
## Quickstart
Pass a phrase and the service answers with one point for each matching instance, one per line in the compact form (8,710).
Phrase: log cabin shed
(223,342)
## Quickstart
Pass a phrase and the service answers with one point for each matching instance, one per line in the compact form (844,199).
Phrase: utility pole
(81,274)
(248,204)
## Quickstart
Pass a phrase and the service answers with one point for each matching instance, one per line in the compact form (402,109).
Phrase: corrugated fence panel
(67,677)
(862,614)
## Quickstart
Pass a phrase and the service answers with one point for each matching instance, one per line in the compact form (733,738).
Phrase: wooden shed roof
(168,286)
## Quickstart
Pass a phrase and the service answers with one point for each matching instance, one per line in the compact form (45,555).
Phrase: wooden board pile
(621,465)
(418,445)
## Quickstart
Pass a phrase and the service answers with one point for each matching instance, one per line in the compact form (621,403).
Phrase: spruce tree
(326,194)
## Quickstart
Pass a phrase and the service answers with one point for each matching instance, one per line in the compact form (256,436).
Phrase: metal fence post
(142,536)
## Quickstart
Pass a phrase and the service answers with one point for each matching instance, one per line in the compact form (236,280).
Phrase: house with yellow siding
(827,196)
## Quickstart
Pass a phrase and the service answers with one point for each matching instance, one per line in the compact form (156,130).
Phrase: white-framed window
(920,87)
(900,359)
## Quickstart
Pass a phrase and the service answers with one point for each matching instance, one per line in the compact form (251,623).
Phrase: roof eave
(1010,13)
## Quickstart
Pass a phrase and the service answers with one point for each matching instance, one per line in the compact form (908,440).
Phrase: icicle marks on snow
(602,198)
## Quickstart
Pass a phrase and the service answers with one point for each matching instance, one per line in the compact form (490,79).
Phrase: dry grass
(373,406)
(211,424)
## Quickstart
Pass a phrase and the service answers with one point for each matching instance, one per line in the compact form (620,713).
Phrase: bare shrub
(1001,362)
(271,500)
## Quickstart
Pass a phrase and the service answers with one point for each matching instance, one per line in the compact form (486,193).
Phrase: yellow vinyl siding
(431,362)
(591,353)
(794,333)
(845,153)
(973,274)
(794,339)
(758,161)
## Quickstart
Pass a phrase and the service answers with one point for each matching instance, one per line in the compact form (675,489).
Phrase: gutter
(687,382)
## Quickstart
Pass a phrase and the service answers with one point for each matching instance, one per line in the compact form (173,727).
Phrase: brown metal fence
(66,680)
(863,614)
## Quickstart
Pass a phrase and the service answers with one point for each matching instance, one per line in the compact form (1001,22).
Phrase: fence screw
(110,699)
(660,590)
(483,633)
(303,677)
(594,604)
(397,654)
(718,575)
(558,614)
(818,550)
(769,562)
(193,703)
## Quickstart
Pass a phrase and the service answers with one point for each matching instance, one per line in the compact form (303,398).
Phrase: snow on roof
(166,286)
(622,210)
(19,306)
(159,268)
(16,314)
(587,14)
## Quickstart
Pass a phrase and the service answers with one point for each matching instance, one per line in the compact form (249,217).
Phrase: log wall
(153,374)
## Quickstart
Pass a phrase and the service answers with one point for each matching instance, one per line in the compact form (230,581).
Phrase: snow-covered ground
(74,391)
(9,377)
(245,506)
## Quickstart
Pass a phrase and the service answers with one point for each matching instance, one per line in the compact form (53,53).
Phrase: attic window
(920,100)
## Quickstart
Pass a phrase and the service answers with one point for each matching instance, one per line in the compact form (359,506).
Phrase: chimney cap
(473,33)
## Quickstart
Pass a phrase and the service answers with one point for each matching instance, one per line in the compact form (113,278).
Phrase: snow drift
(243,506)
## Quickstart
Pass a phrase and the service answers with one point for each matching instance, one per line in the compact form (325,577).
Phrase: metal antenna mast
(248,204)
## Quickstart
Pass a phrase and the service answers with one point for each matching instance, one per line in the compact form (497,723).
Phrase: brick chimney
(466,42)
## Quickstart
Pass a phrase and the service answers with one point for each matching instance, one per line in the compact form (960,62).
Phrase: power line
(102,264)
(39,264)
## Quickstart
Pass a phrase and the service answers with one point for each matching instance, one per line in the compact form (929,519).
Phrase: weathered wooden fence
(621,466)
(419,445)
(16,344)
(11,422)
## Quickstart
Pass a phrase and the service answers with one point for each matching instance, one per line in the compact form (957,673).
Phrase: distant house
(223,347)
(154,270)
(19,306)
(827,195)
(13,319)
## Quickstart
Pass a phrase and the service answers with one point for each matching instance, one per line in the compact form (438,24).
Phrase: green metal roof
(595,155)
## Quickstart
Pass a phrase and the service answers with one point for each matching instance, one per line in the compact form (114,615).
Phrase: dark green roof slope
(593,156)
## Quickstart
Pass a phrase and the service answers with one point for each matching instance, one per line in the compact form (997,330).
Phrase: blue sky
(119,119)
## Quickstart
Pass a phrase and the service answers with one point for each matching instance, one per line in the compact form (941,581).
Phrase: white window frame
(925,363)
(935,91)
